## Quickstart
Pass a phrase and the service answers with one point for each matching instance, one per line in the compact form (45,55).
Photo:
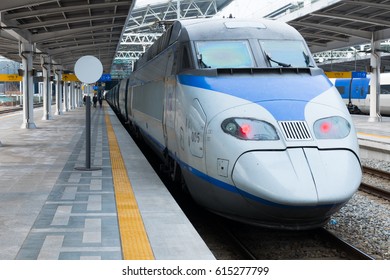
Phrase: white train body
(257,139)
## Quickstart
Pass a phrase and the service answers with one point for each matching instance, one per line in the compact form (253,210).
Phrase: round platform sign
(88,69)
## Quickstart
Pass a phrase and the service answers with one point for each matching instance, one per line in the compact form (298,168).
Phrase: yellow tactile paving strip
(374,135)
(135,243)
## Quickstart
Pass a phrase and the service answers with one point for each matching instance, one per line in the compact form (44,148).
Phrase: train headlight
(332,128)
(249,129)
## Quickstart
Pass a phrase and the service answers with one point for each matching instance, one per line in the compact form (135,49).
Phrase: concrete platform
(49,210)
(373,137)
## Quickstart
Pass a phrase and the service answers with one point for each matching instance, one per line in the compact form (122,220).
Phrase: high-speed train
(240,112)
(357,92)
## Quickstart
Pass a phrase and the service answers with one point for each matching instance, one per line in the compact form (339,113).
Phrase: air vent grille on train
(295,130)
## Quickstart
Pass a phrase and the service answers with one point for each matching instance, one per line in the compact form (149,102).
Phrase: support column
(46,66)
(79,95)
(178,10)
(66,96)
(375,88)
(26,53)
(58,74)
(72,96)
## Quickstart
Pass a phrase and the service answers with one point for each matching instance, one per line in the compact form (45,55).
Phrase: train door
(169,104)
(116,97)
(122,96)
(129,102)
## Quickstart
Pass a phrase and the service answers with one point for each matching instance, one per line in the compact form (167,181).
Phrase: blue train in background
(356,93)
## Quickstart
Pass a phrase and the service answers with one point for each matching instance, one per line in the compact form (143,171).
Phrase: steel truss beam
(146,25)
(349,54)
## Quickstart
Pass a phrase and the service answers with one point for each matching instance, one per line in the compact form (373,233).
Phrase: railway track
(16,109)
(10,110)
(313,244)
(339,242)
(229,240)
(377,172)
(374,190)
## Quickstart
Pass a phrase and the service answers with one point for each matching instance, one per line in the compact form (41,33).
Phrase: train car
(357,92)
(240,113)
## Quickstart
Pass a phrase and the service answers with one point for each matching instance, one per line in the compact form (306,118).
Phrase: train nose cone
(299,176)
(281,177)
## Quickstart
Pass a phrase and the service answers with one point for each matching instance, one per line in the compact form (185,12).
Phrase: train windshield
(286,53)
(224,54)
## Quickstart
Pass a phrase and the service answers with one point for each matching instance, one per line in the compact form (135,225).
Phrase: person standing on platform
(94,99)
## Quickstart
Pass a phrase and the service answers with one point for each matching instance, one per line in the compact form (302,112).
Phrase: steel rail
(371,189)
(16,109)
(382,193)
(352,250)
(377,172)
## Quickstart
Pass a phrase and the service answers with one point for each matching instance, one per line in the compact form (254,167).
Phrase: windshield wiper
(307,60)
(277,62)
(202,64)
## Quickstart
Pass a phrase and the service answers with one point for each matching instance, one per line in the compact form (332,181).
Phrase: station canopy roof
(346,26)
(146,24)
(69,29)
(64,29)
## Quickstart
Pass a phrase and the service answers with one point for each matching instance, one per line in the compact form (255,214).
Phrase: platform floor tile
(79,219)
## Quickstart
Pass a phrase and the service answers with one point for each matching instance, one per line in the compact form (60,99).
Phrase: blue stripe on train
(284,96)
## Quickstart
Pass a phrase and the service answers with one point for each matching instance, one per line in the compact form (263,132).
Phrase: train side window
(385,89)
